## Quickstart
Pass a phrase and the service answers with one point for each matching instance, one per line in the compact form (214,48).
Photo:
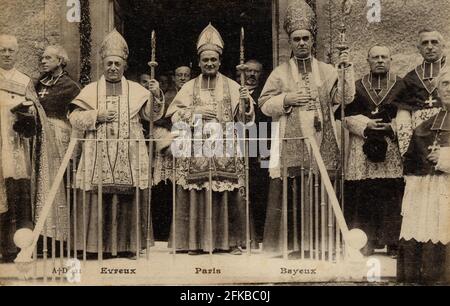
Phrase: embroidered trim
(377,99)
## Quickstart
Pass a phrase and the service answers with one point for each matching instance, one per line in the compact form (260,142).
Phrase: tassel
(317,123)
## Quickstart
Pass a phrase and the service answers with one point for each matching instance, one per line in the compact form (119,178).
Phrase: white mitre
(210,39)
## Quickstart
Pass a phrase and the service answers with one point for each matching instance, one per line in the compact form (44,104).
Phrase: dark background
(178,24)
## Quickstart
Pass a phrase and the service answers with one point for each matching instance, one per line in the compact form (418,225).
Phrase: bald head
(377,49)
(379,59)
(8,51)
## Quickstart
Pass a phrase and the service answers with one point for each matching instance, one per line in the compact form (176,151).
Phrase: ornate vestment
(322,81)
(125,163)
(193,172)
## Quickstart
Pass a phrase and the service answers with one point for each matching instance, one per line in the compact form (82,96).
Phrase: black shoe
(236,251)
(179,252)
(8,258)
(367,251)
(392,251)
(195,252)
(298,255)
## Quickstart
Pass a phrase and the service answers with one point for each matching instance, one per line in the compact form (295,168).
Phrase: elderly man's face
(209,62)
(113,68)
(301,42)
(444,90)
(379,60)
(50,60)
(431,46)
(182,75)
(8,53)
(252,74)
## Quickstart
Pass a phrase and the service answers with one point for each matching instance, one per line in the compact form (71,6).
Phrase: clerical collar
(208,82)
(378,87)
(379,82)
(304,65)
(113,88)
(50,80)
(432,70)
(441,122)
(7,74)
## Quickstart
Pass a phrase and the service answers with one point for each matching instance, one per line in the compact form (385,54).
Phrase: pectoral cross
(434,147)
(430,101)
(376,111)
(43,93)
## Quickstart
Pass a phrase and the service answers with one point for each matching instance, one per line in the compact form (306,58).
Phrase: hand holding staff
(244,99)
(153,64)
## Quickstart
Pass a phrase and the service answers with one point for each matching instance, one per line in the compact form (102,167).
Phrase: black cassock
(425,262)
(373,200)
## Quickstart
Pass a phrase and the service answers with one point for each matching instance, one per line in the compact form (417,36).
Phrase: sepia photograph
(224,143)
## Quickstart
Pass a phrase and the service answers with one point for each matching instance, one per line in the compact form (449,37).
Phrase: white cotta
(426,209)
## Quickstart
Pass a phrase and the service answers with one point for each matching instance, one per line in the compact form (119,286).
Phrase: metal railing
(318,228)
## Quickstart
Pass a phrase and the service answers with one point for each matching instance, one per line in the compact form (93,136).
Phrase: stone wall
(400,22)
(37,24)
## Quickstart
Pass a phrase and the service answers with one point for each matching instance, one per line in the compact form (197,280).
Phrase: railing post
(138,214)
(294,213)
(68,216)
(209,209)
(74,212)
(302,202)
(330,230)
(84,222)
(100,206)
(316,215)
(45,251)
(285,204)
(323,220)
(174,207)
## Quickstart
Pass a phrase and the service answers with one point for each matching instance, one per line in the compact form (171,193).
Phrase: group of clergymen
(397,171)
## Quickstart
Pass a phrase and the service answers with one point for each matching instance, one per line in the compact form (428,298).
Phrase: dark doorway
(178,24)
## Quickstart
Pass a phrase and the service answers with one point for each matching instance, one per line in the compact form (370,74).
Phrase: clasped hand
(299,98)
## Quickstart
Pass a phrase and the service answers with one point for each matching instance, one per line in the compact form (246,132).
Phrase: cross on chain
(434,147)
(43,92)
(430,101)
